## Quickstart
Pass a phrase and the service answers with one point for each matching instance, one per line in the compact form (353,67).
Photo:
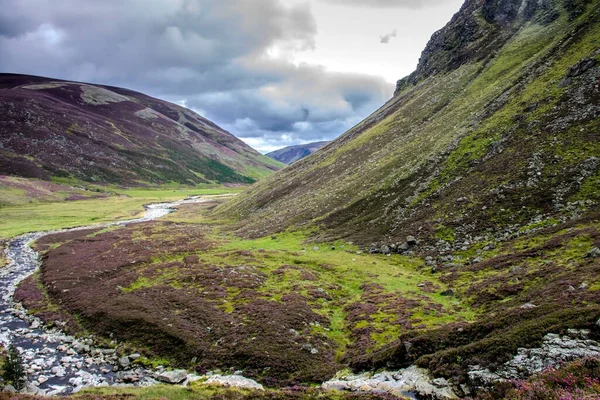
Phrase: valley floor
(188,291)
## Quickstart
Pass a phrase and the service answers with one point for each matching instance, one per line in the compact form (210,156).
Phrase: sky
(272,72)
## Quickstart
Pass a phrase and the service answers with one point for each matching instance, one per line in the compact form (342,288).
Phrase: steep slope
(291,154)
(105,134)
(496,129)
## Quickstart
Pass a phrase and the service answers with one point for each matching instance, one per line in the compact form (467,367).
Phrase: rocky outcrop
(411,380)
(474,33)
(233,381)
(555,350)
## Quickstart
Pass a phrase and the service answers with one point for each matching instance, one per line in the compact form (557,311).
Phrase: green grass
(125,204)
(334,268)
(162,391)
(198,391)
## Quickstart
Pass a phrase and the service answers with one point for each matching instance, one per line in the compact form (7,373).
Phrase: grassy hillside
(58,129)
(496,129)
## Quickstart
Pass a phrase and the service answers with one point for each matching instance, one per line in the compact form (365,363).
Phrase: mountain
(497,128)
(484,171)
(53,128)
(456,229)
(291,154)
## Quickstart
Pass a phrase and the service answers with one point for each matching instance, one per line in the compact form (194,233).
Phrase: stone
(447,293)
(124,362)
(9,389)
(234,381)
(128,376)
(172,377)
(309,347)
(581,67)
(384,249)
(396,383)
(593,253)
(555,350)
(411,241)
(528,306)
(403,247)
(440,382)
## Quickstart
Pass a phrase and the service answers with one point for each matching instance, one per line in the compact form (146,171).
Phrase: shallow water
(58,363)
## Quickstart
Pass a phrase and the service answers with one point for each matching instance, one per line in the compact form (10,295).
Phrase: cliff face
(51,128)
(493,131)
(481,28)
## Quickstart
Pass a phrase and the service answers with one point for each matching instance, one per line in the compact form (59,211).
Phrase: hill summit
(291,154)
(53,128)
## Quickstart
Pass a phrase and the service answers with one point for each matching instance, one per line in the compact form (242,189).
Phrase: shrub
(14,371)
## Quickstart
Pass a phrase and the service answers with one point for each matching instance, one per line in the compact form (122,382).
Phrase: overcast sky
(272,72)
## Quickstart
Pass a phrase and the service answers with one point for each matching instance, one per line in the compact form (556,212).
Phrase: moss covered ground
(282,308)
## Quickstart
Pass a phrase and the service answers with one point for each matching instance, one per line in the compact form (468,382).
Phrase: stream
(58,364)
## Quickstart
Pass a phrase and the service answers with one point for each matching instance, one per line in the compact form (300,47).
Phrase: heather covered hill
(495,130)
(291,154)
(51,128)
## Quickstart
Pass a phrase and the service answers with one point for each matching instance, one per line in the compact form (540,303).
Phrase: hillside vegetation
(454,226)
(78,131)
(497,129)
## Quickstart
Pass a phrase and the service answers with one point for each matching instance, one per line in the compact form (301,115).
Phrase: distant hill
(53,128)
(291,154)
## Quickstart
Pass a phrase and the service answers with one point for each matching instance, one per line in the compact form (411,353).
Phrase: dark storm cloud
(212,55)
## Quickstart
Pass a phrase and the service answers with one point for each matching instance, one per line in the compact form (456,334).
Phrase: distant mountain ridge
(291,154)
(54,128)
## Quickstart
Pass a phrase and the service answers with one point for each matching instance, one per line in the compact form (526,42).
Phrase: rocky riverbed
(57,363)
(417,383)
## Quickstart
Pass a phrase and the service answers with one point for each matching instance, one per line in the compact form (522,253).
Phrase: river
(57,363)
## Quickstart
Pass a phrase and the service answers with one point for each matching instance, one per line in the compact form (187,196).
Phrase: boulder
(234,381)
(593,253)
(403,247)
(411,241)
(172,377)
(124,362)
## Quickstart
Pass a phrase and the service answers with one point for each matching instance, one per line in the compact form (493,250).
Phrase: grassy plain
(23,209)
